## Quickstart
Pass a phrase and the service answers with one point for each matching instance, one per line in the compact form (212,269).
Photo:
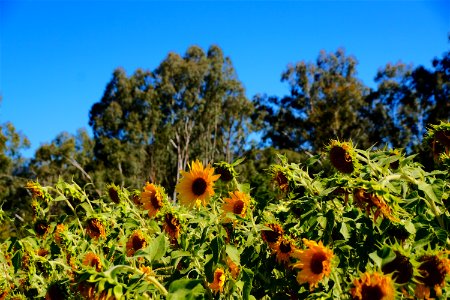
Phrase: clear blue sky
(56,57)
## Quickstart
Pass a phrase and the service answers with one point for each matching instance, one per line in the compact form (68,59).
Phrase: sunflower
(152,199)
(343,156)
(95,228)
(234,268)
(92,260)
(196,186)
(272,236)
(135,242)
(433,271)
(219,281)
(42,252)
(3,294)
(368,200)
(226,171)
(60,228)
(147,270)
(278,176)
(56,291)
(237,204)
(373,287)
(41,228)
(35,189)
(113,192)
(315,263)
(283,250)
(401,268)
(171,226)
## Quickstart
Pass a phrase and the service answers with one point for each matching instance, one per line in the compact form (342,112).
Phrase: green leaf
(209,269)
(247,278)
(428,190)
(344,231)
(216,247)
(186,289)
(17,260)
(330,217)
(118,293)
(157,248)
(233,253)
(179,253)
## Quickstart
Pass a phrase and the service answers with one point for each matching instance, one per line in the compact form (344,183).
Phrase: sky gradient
(56,57)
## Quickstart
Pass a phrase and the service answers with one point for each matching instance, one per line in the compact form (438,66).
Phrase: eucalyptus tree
(326,101)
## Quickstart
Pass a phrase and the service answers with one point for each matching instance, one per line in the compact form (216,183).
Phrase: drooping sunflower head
(372,201)
(237,204)
(343,156)
(95,228)
(36,189)
(433,270)
(373,287)
(92,260)
(219,281)
(226,171)
(401,268)
(41,228)
(283,250)
(57,290)
(152,198)
(438,137)
(233,267)
(273,235)
(135,197)
(171,225)
(135,242)
(42,252)
(314,262)
(60,228)
(114,193)
(196,186)
(279,177)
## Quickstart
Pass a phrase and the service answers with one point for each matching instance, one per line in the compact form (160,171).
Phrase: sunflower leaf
(233,253)
(157,248)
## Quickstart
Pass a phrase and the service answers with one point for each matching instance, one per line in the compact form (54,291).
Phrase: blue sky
(56,57)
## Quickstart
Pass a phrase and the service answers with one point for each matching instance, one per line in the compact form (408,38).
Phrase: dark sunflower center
(341,160)
(94,227)
(238,207)
(282,181)
(285,247)
(372,293)
(138,243)
(41,228)
(55,291)
(155,201)
(225,174)
(271,236)
(199,186)
(432,270)
(114,195)
(401,268)
(317,263)
(172,222)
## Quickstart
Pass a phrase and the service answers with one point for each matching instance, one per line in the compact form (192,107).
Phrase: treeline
(149,125)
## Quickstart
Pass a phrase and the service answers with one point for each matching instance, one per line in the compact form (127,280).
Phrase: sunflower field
(377,227)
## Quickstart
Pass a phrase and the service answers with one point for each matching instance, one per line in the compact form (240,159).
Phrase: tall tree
(69,157)
(149,125)
(12,166)
(325,101)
